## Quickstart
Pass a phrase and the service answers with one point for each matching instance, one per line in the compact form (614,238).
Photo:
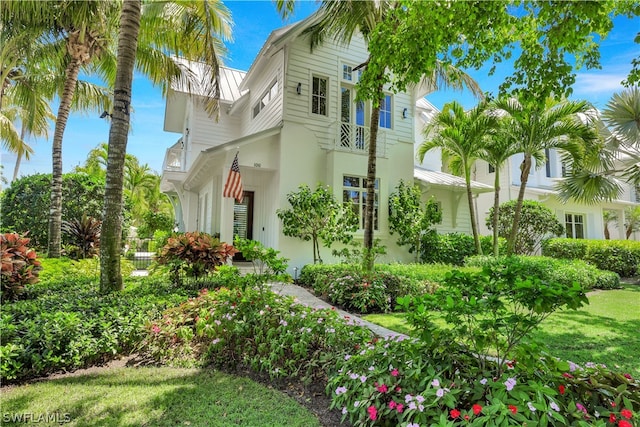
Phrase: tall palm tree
(534,127)
(462,136)
(497,152)
(340,21)
(192,29)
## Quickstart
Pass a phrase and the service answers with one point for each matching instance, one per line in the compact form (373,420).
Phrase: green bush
(619,256)
(557,270)
(254,328)
(67,323)
(453,248)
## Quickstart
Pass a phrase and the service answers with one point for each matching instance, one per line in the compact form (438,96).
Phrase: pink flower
(454,413)
(395,373)
(561,389)
(399,407)
(513,409)
(624,423)
(155,329)
(392,404)
(373,413)
(626,414)
(382,388)
(476,409)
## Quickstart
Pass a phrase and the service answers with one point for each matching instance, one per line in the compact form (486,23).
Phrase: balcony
(174,158)
(355,139)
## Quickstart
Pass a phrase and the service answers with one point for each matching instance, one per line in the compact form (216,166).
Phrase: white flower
(483,381)
(435,383)
(531,407)
(344,410)
(554,406)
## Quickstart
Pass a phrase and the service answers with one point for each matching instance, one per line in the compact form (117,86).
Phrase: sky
(253,22)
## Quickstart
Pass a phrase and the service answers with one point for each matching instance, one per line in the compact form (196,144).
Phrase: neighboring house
(293,120)
(581,221)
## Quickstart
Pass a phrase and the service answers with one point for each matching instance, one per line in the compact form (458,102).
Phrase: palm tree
(341,20)
(497,152)
(194,29)
(463,136)
(631,220)
(607,218)
(535,127)
(110,277)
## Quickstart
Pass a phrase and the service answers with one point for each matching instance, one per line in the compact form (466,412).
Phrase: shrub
(453,248)
(254,328)
(67,323)
(155,222)
(537,222)
(266,262)
(84,235)
(557,270)
(20,265)
(619,256)
(194,254)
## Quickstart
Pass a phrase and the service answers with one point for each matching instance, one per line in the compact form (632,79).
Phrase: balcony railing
(355,138)
(174,158)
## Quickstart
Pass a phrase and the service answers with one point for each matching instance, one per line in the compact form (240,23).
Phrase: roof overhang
(445,180)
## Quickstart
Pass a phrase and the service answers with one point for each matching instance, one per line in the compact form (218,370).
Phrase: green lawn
(606,331)
(154,397)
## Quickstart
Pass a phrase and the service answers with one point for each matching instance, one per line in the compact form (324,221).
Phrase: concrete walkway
(303,296)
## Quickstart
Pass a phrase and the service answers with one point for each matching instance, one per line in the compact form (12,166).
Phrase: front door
(243,219)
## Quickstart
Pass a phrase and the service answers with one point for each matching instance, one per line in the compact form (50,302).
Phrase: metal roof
(443,179)
(230,80)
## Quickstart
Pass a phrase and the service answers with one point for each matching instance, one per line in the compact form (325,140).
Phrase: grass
(155,397)
(606,331)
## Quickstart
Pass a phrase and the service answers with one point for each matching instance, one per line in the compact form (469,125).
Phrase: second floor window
(268,96)
(492,168)
(385,112)
(319,96)
(354,192)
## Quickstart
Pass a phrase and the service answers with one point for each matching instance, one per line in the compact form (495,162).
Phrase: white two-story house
(292,119)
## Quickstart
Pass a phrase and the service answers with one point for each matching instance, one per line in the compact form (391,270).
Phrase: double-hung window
(574,224)
(385,112)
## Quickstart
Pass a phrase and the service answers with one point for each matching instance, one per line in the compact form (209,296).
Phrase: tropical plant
(461,135)
(537,222)
(192,29)
(20,265)
(608,217)
(84,236)
(534,127)
(410,218)
(317,216)
(631,220)
(194,254)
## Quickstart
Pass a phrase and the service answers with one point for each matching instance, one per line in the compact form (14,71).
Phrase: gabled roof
(443,179)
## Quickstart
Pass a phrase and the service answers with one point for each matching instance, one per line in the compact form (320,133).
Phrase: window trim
(261,104)
(313,95)
(361,189)
(573,223)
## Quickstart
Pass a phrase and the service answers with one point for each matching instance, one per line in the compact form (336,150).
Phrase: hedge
(453,248)
(619,256)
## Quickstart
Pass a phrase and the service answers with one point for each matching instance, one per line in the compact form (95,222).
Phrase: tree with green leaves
(317,215)
(410,217)
(341,20)
(462,136)
(538,222)
(608,216)
(631,220)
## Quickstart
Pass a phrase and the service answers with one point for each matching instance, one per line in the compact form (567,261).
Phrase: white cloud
(598,83)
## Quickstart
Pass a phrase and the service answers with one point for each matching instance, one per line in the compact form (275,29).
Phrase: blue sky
(253,21)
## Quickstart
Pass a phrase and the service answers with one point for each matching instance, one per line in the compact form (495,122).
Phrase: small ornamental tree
(317,216)
(20,265)
(410,218)
(537,222)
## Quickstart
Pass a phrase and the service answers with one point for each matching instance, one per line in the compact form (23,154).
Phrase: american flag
(233,187)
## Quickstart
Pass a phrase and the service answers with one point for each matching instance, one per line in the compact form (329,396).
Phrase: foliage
(25,204)
(317,216)
(66,323)
(20,265)
(355,252)
(490,311)
(406,382)
(194,254)
(266,262)
(453,248)
(153,222)
(409,218)
(254,328)
(84,236)
(619,256)
(631,220)
(561,271)
(537,222)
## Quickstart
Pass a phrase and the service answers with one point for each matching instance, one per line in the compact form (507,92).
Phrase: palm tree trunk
(111,236)
(16,168)
(524,178)
(472,214)
(607,235)
(371,181)
(55,211)
(496,212)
